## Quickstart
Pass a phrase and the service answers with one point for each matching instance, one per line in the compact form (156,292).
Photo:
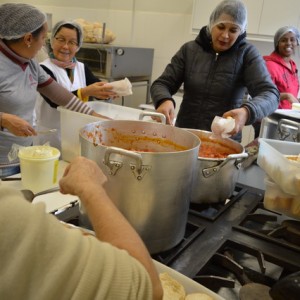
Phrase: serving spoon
(30,195)
(47,131)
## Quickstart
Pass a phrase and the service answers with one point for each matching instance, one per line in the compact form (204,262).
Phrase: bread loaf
(93,32)
(173,290)
(198,296)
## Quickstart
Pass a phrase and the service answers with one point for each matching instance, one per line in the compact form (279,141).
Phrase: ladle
(30,195)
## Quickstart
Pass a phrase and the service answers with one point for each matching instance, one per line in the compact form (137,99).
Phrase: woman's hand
(98,90)
(16,125)
(288,96)
(100,116)
(82,175)
(167,108)
(240,115)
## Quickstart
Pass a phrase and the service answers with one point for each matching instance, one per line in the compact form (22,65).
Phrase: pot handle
(284,133)
(139,169)
(240,157)
(162,117)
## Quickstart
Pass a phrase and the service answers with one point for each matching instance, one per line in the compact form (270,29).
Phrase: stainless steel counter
(252,176)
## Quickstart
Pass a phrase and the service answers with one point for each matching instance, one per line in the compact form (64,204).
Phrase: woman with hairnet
(62,66)
(23,29)
(215,70)
(282,67)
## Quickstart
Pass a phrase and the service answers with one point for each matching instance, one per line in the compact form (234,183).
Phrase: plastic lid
(38,152)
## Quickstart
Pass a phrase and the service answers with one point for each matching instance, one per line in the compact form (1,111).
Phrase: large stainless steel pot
(152,189)
(216,177)
(283,124)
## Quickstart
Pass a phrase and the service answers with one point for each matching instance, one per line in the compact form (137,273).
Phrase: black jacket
(216,82)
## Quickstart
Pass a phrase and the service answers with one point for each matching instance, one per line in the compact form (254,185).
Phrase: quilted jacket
(216,82)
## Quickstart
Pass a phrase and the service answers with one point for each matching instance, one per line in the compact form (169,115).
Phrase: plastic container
(272,159)
(277,200)
(39,166)
(71,122)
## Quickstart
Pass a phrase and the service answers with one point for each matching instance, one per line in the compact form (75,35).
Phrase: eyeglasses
(63,41)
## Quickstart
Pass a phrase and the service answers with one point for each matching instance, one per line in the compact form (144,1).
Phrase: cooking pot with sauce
(218,166)
(150,168)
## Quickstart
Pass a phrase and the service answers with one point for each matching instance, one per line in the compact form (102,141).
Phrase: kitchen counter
(53,201)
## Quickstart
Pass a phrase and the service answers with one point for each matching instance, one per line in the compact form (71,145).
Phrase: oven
(231,246)
(112,62)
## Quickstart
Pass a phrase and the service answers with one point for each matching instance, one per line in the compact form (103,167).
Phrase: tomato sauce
(131,142)
(214,150)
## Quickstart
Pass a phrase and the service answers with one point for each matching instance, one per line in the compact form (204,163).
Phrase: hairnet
(282,31)
(60,24)
(17,19)
(235,9)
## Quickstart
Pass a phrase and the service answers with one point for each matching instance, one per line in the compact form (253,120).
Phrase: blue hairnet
(17,19)
(282,31)
(235,9)
(60,24)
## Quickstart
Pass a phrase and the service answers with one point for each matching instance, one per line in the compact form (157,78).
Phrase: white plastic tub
(284,172)
(71,122)
(39,166)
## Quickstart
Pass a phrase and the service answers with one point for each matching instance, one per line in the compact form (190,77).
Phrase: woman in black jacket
(215,70)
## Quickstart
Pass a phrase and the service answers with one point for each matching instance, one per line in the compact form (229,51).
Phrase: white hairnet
(235,9)
(282,31)
(17,19)
(60,24)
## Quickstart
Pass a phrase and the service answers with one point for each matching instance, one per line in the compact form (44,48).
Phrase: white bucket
(39,166)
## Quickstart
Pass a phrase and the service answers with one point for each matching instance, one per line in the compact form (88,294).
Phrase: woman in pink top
(282,67)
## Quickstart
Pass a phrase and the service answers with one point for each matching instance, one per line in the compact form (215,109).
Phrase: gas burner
(231,247)
(236,270)
(192,231)
(288,231)
(212,211)
(272,226)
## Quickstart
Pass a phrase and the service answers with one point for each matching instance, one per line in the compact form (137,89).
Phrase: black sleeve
(48,71)
(89,76)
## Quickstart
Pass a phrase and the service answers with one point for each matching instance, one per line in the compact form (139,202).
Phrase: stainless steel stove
(228,246)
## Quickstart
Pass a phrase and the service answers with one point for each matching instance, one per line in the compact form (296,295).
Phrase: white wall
(160,24)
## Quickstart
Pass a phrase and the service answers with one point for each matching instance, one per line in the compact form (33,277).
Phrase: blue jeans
(8,171)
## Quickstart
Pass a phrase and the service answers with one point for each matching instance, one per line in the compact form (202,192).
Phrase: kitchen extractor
(112,62)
